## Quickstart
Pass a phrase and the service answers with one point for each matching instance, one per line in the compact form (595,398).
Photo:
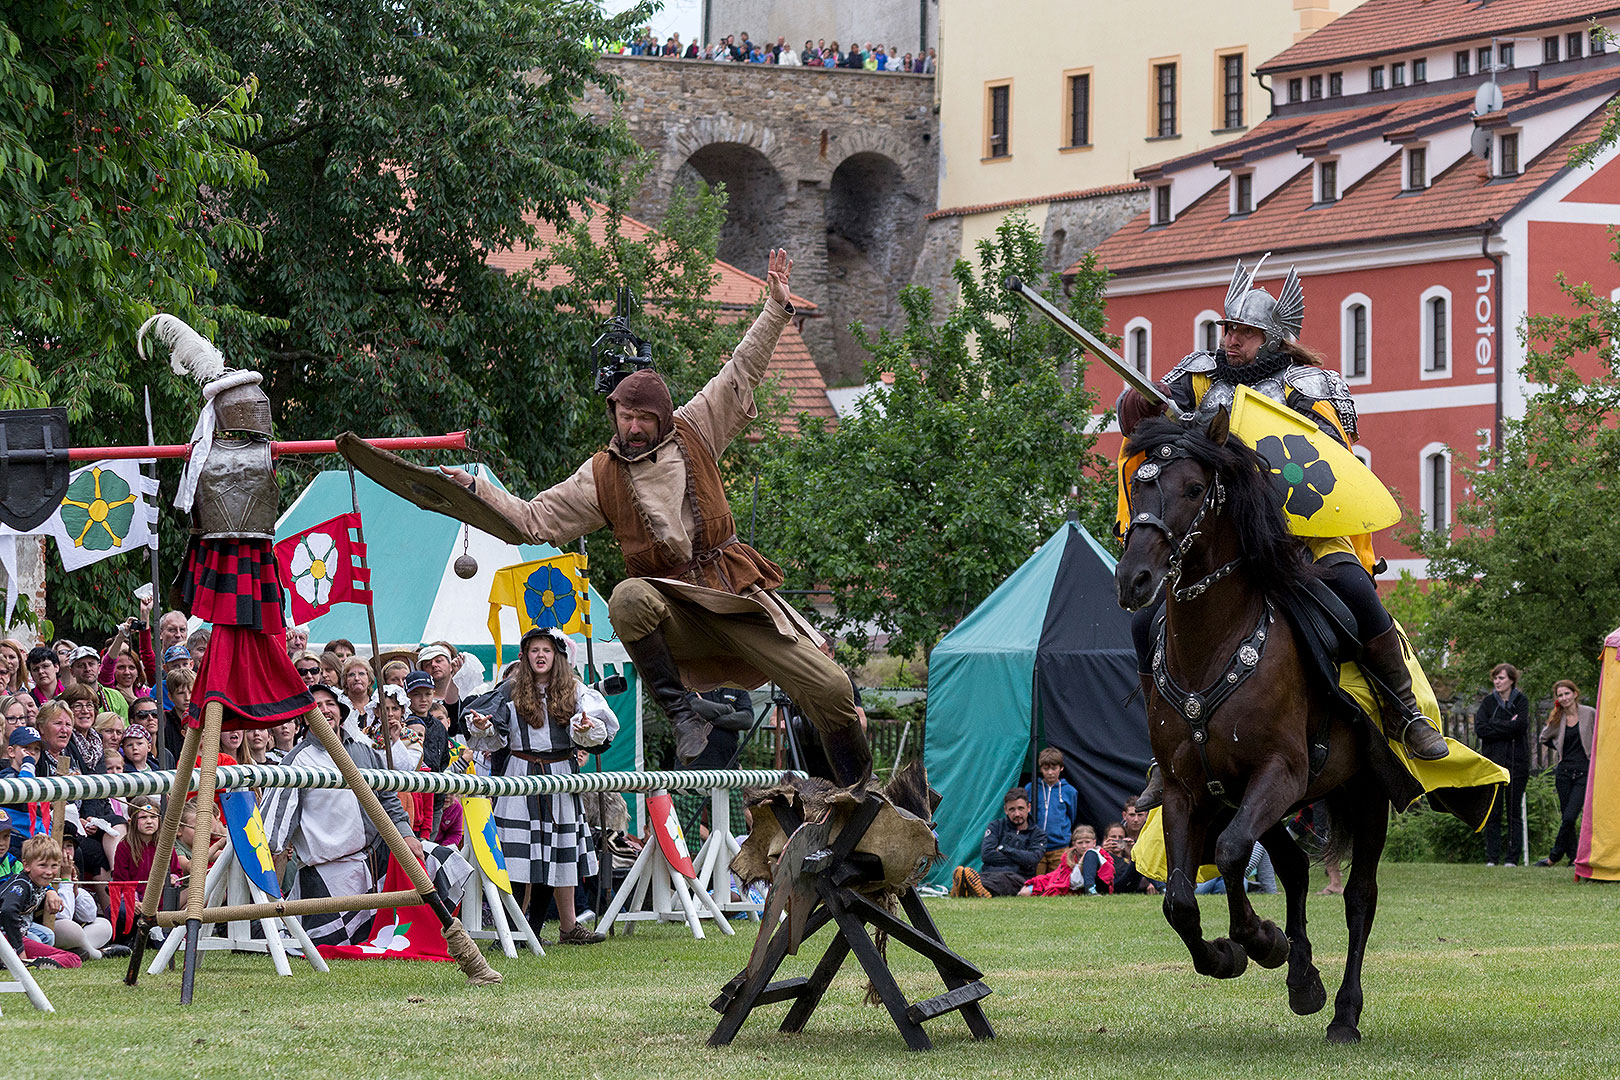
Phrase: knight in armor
(1260,350)
(699,609)
(229,576)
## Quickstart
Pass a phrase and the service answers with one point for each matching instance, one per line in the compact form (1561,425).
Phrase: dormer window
(1296,91)
(1504,54)
(1549,49)
(1397,73)
(1335,84)
(1327,181)
(1161,204)
(1316,88)
(1420,70)
(1572,45)
(1460,62)
(1417,168)
(1507,154)
(1375,78)
(1483,55)
(1242,193)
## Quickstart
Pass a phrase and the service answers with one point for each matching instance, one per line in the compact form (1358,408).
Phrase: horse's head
(1173,493)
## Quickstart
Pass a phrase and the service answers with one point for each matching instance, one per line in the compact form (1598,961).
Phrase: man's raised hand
(776,277)
(460,476)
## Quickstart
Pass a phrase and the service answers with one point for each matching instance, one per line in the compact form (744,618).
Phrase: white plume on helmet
(189,352)
(192,354)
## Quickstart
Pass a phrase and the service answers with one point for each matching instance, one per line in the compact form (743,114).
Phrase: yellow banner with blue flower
(545,593)
(1330,492)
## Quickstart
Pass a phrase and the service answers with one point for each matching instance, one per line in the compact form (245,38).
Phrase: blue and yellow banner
(545,592)
(246,831)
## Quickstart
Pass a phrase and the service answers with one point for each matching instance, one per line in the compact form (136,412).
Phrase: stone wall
(837,166)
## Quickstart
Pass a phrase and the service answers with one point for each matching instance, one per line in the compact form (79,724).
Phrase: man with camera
(699,609)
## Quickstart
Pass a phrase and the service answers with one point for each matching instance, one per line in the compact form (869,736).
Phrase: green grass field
(1472,972)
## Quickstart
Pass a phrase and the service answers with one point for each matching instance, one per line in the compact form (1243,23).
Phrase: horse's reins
(1196,708)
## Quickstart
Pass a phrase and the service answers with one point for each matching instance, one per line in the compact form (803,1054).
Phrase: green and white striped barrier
(236,777)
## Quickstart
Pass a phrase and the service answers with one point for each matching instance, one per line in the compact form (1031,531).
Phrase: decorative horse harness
(1195,707)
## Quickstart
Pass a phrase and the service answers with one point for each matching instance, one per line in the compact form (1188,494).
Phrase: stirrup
(1420,739)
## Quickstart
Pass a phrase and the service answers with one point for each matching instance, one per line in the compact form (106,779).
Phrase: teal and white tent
(1046,659)
(418,597)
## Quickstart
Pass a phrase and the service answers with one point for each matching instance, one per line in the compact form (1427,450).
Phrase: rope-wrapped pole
(239,777)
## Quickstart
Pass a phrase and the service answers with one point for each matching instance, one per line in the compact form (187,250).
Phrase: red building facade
(1424,231)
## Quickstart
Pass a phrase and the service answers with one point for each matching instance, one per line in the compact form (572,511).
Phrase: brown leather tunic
(719,560)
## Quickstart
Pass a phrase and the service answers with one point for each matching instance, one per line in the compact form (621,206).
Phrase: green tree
(1534,577)
(912,510)
(112,177)
(404,143)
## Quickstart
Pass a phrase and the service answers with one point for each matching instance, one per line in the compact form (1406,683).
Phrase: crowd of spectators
(71,874)
(1037,848)
(739,49)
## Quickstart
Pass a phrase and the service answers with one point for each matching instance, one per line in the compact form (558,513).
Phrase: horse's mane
(1273,556)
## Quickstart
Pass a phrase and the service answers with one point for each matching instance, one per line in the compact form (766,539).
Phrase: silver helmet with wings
(1279,318)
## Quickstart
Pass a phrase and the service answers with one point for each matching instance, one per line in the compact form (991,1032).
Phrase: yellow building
(1051,105)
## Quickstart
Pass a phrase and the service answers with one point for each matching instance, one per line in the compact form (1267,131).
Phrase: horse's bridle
(1148,474)
(1195,707)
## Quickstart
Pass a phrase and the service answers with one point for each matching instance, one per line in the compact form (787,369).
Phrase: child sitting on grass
(26,896)
(1083,865)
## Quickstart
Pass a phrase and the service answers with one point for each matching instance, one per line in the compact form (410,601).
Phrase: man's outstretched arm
(558,515)
(726,404)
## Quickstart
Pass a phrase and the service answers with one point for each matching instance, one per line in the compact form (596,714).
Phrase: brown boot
(1153,794)
(1385,659)
(689,714)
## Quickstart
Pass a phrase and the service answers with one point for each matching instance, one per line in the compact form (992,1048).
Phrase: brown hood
(647,391)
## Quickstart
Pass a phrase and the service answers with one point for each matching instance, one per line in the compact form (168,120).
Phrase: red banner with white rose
(321,567)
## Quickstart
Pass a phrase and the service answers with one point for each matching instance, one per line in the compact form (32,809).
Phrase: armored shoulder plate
(1195,363)
(236,492)
(1324,385)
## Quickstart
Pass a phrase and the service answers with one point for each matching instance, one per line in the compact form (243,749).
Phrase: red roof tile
(1461,199)
(1010,204)
(1379,27)
(735,291)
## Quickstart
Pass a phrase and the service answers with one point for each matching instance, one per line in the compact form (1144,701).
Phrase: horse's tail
(1339,828)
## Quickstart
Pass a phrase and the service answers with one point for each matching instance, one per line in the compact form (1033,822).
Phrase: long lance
(1095,345)
(456,440)
(156,615)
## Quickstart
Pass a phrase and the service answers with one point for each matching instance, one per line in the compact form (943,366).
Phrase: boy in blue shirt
(1054,805)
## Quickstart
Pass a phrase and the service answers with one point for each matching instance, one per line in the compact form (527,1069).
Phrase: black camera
(618,352)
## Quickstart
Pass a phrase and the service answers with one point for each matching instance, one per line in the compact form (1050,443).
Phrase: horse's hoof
(1230,959)
(1343,1033)
(1308,1000)
(1277,952)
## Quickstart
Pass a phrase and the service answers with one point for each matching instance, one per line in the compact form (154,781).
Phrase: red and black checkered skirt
(233,583)
(249,675)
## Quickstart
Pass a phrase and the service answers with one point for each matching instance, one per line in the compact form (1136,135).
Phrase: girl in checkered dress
(542,713)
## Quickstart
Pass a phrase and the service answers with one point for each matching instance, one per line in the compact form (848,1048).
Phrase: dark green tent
(1046,658)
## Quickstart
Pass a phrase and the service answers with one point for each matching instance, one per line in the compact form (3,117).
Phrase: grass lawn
(1472,972)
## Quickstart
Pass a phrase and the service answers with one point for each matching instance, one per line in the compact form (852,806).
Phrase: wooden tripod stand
(206,740)
(826,878)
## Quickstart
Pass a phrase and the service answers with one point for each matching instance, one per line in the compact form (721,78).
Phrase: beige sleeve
(559,514)
(726,404)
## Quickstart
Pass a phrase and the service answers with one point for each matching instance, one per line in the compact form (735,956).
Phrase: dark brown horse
(1232,713)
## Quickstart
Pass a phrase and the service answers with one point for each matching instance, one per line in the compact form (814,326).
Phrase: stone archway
(872,241)
(756,198)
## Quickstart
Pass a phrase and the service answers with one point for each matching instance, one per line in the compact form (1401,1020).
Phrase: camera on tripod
(618,352)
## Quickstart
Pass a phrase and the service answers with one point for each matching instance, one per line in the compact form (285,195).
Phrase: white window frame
(1436,292)
(1208,315)
(1344,339)
(1316,180)
(1142,324)
(1232,193)
(1406,167)
(1426,486)
(1155,217)
(1496,153)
